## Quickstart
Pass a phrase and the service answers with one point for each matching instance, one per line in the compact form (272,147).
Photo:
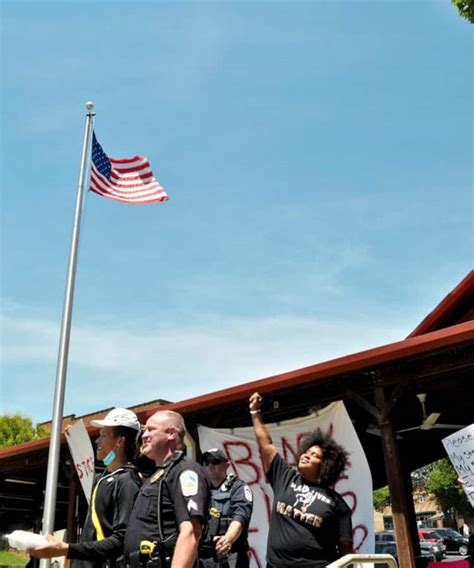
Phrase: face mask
(109,458)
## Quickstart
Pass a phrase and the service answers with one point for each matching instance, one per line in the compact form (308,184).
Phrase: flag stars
(100,159)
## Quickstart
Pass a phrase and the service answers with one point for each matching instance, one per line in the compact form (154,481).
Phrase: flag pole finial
(89,105)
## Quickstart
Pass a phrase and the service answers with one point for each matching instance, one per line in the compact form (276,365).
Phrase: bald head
(175,420)
(163,435)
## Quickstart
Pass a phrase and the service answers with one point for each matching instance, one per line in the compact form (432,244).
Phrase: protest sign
(82,454)
(460,449)
(242,451)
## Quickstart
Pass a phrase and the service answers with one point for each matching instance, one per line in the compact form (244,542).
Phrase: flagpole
(61,370)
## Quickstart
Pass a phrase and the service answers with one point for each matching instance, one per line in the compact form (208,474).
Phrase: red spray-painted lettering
(85,468)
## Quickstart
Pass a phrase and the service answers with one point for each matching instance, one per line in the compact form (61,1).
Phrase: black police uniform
(177,491)
(115,494)
(231,501)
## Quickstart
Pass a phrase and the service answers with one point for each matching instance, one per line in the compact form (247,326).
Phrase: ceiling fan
(430,420)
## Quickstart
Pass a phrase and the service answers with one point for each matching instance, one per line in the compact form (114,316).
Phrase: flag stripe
(128,180)
(139,167)
(101,184)
(126,161)
(105,185)
(133,172)
(127,197)
(130,201)
(135,201)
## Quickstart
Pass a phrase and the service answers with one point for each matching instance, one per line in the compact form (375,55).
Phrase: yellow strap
(95,517)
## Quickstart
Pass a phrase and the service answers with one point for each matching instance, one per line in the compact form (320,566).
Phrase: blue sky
(318,159)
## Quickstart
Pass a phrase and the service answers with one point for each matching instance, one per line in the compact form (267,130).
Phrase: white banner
(242,451)
(82,453)
(460,449)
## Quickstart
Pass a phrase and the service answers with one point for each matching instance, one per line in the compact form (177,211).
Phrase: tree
(16,429)
(443,484)
(381,498)
(466,8)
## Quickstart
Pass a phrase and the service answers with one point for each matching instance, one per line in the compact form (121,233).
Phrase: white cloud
(129,365)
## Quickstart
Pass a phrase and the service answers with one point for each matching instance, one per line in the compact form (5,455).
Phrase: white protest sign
(242,451)
(460,449)
(82,453)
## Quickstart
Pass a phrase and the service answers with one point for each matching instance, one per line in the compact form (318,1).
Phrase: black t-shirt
(184,494)
(114,499)
(307,520)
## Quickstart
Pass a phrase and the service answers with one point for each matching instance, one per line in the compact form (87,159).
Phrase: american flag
(129,180)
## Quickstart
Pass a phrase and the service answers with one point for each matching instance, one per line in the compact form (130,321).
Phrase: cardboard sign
(460,449)
(82,453)
(355,487)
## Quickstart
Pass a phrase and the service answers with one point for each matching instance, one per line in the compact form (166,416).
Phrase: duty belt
(151,554)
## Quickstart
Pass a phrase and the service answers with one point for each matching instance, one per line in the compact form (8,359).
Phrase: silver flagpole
(61,371)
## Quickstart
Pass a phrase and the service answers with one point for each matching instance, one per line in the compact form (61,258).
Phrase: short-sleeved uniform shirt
(233,499)
(184,494)
(307,520)
(115,496)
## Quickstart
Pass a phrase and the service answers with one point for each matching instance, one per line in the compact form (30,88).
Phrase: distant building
(428,514)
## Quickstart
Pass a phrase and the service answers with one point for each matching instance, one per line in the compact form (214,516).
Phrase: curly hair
(335,457)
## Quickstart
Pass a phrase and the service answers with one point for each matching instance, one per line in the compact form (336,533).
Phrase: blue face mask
(109,458)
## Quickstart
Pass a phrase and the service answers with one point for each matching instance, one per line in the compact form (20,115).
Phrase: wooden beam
(362,402)
(395,480)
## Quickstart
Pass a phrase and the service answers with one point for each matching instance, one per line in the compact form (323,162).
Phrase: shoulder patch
(189,482)
(248,493)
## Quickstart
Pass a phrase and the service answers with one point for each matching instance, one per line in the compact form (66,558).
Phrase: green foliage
(466,8)
(8,558)
(381,498)
(443,484)
(16,429)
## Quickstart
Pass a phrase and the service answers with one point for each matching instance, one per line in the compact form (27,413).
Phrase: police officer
(225,543)
(166,522)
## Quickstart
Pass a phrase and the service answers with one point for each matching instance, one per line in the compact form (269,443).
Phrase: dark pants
(233,560)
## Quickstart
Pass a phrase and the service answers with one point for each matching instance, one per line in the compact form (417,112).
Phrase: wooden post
(71,526)
(395,478)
